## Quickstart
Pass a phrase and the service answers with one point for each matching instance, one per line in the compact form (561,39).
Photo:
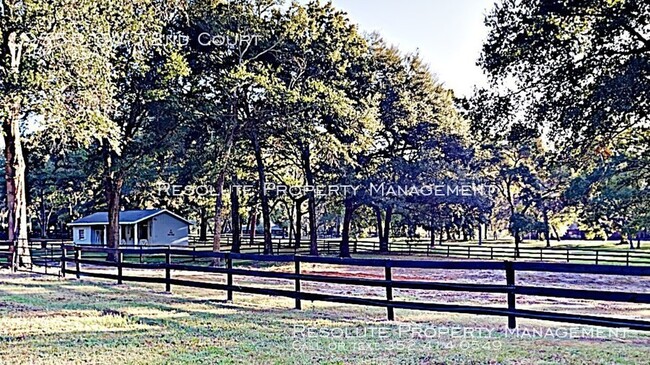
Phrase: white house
(137,227)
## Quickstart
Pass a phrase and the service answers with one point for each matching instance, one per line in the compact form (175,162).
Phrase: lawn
(46,320)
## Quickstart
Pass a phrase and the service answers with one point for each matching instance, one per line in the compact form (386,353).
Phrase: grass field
(45,320)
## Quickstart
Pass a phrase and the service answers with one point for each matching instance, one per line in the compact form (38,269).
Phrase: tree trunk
(339,223)
(290,214)
(547,231)
(629,238)
(298,233)
(517,242)
(236,221)
(432,241)
(218,217)
(266,211)
(485,231)
(387,222)
(378,224)
(557,235)
(225,160)
(253,225)
(313,226)
(203,228)
(113,186)
(44,217)
(345,235)
(16,185)
(311,201)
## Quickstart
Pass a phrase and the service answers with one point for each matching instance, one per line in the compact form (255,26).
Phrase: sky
(448,33)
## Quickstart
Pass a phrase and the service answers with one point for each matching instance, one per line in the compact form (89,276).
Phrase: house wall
(168,230)
(76,235)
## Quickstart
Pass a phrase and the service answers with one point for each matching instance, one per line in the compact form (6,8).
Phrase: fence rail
(44,253)
(82,260)
(6,254)
(465,251)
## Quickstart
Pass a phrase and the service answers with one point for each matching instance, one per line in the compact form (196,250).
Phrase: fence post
(229,276)
(279,247)
(120,258)
(140,254)
(297,272)
(168,274)
(77,257)
(596,257)
(388,275)
(491,253)
(194,254)
(510,281)
(541,254)
(448,250)
(468,251)
(64,253)
(628,258)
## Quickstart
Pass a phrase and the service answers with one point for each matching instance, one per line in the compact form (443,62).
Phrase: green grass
(51,321)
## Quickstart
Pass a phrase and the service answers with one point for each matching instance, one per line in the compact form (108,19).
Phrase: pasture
(48,320)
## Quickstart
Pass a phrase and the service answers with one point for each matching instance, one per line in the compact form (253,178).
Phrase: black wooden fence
(452,250)
(45,253)
(6,254)
(84,261)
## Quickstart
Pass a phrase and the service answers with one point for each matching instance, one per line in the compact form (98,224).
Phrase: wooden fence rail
(175,259)
(45,254)
(455,250)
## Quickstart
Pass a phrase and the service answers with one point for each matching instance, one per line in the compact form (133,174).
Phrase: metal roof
(126,217)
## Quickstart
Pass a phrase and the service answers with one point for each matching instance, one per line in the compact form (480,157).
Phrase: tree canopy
(106,105)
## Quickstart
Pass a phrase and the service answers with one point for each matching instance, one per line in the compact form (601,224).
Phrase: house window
(82,234)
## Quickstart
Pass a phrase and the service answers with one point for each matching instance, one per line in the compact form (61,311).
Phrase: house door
(143,233)
(97,236)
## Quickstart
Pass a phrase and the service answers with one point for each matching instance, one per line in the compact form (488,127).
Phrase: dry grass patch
(51,321)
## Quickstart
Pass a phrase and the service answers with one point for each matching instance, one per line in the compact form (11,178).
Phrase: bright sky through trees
(449,34)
